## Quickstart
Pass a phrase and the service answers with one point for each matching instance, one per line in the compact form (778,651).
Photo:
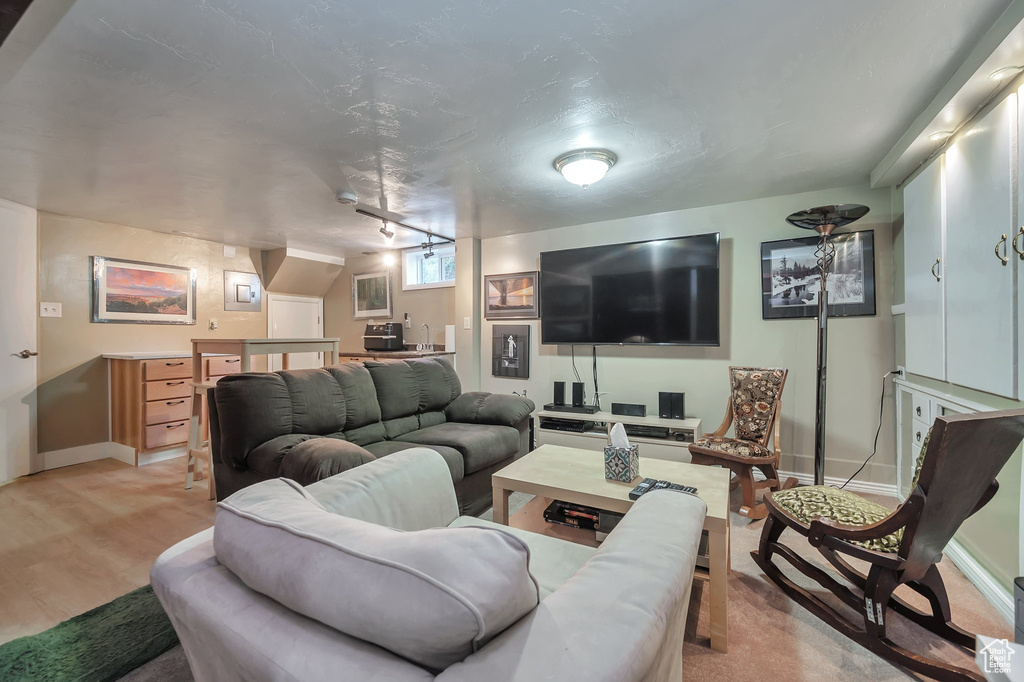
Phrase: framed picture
(512,296)
(790,280)
(134,292)
(371,295)
(510,351)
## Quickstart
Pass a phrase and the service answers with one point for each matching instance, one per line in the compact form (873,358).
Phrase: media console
(590,432)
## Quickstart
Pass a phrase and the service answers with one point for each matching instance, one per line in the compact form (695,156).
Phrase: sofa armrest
(620,618)
(407,490)
(499,409)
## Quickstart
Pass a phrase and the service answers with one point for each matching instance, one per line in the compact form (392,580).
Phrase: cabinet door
(981,333)
(923,232)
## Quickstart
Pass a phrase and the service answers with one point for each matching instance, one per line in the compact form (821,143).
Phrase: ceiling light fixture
(388,234)
(1004,73)
(428,246)
(941,136)
(584,167)
(405,226)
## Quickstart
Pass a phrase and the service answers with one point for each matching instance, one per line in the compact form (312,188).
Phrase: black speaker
(671,405)
(577,394)
(665,405)
(678,405)
(559,393)
(629,409)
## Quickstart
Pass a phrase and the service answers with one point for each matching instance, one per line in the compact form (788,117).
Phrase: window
(419,272)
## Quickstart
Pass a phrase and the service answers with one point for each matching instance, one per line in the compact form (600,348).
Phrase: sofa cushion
(364,435)
(432,419)
(319,458)
(401,425)
(489,408)
(432,596)
(361,406)
(318,405)
(480,444)
(266,458)
(452,457)
(252,408)
(437,383)
(397,391)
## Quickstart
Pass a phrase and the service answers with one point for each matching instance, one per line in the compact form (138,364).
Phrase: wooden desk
(247,347)
(577,476)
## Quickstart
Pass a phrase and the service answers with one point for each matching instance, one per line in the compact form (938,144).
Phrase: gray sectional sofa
(310,424)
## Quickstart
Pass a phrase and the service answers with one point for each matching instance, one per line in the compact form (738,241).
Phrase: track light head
(388,234)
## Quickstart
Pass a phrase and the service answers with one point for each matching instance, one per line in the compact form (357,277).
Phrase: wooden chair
(198,452)
(955,477)
(754,405)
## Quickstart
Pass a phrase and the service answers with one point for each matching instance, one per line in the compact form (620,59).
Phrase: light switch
(49,310)
(213,324)
(466,323)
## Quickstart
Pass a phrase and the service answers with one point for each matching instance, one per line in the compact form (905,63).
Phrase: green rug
(99,645)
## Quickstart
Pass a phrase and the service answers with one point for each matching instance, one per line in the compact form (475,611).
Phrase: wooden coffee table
(577,476)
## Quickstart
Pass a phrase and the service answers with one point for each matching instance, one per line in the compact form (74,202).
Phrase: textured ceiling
(239,120)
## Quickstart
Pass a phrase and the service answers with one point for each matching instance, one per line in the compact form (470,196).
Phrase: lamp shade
(820,216)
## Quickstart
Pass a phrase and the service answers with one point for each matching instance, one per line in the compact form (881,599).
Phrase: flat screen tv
(658,292)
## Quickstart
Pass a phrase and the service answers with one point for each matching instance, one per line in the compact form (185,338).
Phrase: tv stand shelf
(596,438)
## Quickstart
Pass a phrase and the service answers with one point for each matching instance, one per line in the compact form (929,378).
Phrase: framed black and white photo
(510,351)
(371,295)
(512,296)
(790,280)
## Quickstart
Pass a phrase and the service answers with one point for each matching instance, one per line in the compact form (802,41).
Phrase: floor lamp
(824,220)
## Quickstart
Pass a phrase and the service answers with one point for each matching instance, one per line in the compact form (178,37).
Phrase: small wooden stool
(197,451)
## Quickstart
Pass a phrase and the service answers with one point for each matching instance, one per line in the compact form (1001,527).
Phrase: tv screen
(663,291)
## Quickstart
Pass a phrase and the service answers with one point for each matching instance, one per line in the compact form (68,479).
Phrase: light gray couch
(615,614)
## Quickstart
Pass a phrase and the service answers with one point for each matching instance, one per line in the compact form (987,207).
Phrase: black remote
(649,484)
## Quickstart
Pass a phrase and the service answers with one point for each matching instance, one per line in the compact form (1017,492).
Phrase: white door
(923,231)
(981,316)
(18,281)
(295,317)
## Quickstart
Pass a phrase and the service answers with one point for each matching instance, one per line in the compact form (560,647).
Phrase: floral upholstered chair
(754,403)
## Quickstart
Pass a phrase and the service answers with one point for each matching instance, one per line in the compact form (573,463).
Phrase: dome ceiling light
(584,167)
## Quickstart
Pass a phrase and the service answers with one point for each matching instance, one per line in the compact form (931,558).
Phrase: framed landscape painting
(512,296)
(130,291)
(371,295)
(790,280)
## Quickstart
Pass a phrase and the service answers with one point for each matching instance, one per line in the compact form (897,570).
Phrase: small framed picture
(512,296)
(371,295)
(510,351)
(133,292)
(790,280)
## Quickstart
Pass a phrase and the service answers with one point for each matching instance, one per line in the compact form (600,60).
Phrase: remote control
(649,484)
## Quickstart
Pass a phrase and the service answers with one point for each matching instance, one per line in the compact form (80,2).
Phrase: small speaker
(629,409)
(671,405)
(678,405)
(665,405)
(559,393)
(577,394)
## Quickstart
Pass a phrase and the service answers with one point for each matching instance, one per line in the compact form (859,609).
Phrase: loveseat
(279,590)
(309,424)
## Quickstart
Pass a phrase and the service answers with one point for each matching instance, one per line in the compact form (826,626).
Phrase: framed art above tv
(790,280)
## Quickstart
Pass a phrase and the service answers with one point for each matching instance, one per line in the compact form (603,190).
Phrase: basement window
(419,272)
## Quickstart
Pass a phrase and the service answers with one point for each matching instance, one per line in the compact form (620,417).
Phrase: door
(924,229)
(295,317)
(981,316)
(18,281)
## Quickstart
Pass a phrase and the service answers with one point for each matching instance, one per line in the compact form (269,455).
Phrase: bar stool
(197,451)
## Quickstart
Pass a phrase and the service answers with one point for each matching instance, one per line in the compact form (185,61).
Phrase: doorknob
(26,354)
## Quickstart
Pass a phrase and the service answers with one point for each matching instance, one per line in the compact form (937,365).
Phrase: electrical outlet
(466,323)
(408,322)
(901,371)
(213,323)
(50,310)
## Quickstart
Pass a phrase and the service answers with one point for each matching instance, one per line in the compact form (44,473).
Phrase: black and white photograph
(791,280)
(510,351)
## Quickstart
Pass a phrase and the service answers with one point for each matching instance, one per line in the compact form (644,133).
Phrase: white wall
(860,349)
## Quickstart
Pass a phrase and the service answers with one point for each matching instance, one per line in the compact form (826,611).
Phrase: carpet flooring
(770,637)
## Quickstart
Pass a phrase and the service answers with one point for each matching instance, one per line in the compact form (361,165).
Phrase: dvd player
(582,409)
(645,431)
(558,424)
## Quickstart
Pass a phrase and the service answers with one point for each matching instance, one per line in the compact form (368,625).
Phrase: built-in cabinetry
(962,275)
(150,397)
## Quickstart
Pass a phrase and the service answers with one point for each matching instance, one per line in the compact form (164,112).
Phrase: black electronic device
(678,406)
(629,409)
(665,405)
(577,394)
(572,425)
(582,409)
(386,336)
(671,405)
(649,484)
(645,431)
(559,393)
(658,292)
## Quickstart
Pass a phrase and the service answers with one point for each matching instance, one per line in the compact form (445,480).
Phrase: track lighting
(388,234)
(428,246)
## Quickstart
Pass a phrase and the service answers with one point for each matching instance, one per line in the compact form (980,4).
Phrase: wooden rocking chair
(755,402)
(955,477)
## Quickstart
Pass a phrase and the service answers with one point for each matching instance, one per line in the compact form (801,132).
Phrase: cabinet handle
(178,426)
(1002,242)
(175,383)
(1020,233)
(918,436)
(918,411)
(938,277)
(235,360)
(179,402)
(173,364)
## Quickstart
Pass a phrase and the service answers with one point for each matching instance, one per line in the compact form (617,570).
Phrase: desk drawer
(155,370)
(160,411)
(165,390)
(163,435)
(228,364)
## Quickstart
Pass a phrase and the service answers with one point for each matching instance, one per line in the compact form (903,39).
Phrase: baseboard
(160,455)
(1000,598)
(80,454)
(887,489)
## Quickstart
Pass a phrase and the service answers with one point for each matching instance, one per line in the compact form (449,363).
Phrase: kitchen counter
(152,355)
(396,354)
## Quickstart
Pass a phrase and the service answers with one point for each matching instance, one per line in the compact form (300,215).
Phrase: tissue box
(621,464)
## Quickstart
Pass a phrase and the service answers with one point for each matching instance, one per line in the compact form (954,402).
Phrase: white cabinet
(924,261)
(980,286)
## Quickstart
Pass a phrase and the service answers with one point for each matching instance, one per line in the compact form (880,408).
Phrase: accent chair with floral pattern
(755,398)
